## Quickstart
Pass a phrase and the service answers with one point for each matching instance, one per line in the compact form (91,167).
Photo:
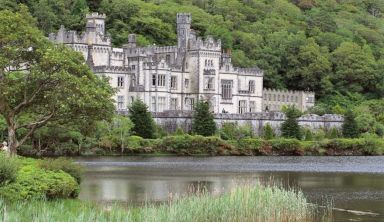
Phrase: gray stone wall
(170,120)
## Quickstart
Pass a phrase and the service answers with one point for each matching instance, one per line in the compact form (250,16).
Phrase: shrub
(319,135)
(250,144)
(268,133)
(179,131)
(8,169)
(308,135)
(35,183)
(333,133)
(187,144)
(66,165)
(287,146)
(134,142)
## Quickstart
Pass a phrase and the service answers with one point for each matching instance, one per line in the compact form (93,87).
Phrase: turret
(96,22)
(183,21)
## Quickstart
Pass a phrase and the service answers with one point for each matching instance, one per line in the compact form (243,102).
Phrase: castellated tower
(183,21)
(96,21)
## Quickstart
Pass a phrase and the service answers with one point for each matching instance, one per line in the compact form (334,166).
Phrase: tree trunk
(122,143)
(12,140)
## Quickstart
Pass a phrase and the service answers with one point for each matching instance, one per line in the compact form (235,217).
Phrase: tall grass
(247,203)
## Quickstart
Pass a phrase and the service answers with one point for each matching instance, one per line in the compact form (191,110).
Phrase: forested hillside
(334,47)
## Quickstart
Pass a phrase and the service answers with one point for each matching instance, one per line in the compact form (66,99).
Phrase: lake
(352,183)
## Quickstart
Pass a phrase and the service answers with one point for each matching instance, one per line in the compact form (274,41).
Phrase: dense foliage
(203,122)
(350,129)
(34,182)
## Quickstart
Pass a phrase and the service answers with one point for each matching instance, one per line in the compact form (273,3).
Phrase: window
(296,99)
(242,106)
(283,98)
(173,104)
(251,86)
(120,102)
(291,98)
(226,89)
(209,83)
(153,104)
(173,82)
(161,80)
(153,79)
(161,104)
(226,67)
(278,98)
(168,59)
(133,67)
(120,82)
(274,97)
(252,106)
(186,83)
(189,103)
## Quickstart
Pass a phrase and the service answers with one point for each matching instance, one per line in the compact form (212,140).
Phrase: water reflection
(137,180)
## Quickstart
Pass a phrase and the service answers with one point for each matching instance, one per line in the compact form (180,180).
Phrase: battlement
(111,69)
(249,71)
(95,15)
(183,17)
(286,91)
(208,43)
(72,37)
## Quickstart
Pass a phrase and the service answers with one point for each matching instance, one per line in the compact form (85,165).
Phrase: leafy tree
(354,68)
(268,133)
(203,121)
(144,125)
(121,128)
(42,82)
(350,128)
(290,127)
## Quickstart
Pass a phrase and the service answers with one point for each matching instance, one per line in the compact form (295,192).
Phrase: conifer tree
(350,129)
(290,127)
(203,122)
(144,125)
(268,132)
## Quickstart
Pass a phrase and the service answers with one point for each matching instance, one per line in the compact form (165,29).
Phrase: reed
(245,203)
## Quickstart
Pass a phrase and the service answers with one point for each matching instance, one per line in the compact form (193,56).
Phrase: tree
(308,67)
(41,82)
(203,121)
(290,127)
(350,128)
(268,133)
(121,128)
(354,68)
(144,125)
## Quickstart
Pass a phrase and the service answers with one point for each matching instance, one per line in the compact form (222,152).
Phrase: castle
(175,77)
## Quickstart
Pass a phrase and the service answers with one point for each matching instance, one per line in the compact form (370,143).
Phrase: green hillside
(333,47)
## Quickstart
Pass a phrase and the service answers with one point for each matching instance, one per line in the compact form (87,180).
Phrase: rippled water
(353,183)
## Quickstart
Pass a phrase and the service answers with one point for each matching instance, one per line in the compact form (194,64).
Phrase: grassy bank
(185,145)
(256,203)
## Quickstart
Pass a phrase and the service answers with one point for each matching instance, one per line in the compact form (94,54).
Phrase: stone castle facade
(170,77)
